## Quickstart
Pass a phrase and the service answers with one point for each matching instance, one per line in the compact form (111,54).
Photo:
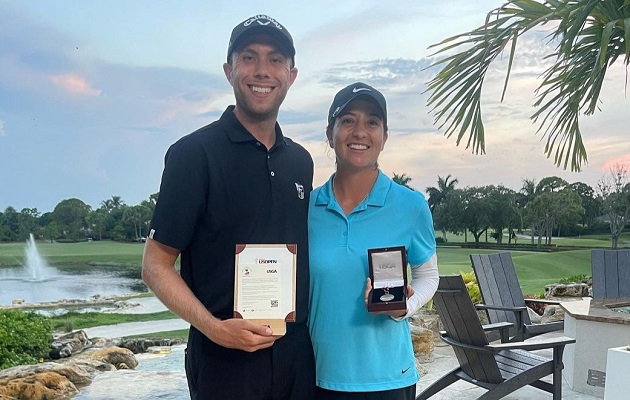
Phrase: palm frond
(591,35)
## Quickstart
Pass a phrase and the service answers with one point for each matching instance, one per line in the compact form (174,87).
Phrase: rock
(552,313)
(71,371)
(44,385)
(48,380)
(142,345)
(566,290)
(423,343)
(114,355)
(61,352)
(60,379)
(66,345)
(100,342)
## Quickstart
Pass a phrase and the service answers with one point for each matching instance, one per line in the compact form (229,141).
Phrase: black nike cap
(351,92)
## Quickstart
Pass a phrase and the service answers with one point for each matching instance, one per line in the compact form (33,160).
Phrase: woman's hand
(394,313)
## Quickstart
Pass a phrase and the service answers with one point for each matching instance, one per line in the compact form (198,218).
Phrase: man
(236,181)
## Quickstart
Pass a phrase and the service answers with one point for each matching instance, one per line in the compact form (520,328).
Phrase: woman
(363,355)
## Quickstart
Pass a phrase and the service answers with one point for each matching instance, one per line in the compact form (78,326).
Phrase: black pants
(407,393)
(285,371)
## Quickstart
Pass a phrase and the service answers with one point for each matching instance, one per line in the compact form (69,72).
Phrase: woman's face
(358,135)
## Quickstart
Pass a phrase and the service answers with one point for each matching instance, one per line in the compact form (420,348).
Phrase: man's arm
(158,272)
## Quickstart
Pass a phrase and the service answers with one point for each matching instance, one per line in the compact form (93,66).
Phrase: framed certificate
(388,272)
(264,284)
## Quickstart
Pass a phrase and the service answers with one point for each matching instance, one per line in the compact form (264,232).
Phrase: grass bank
(79,320)
(534,270)
(102,251)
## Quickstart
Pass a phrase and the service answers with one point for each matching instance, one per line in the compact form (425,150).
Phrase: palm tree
(439,193)
(591,35)
(402,179)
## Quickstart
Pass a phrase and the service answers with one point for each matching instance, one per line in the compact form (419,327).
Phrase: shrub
(575,279)
(24,337)
(472,286)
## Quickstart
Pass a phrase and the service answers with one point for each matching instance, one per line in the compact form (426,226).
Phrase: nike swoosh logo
(405,370)
(356,90)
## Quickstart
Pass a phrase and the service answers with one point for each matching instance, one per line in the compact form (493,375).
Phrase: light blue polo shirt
(356,351)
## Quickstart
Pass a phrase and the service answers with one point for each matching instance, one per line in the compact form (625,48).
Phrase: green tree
(551,184)
(549,209)
(11,225)
(591,35)
(614,192)
(590,203)
(27,223)
(71,217)
(114,228)
(437,196)
(137,216)
(465,210)
(502,210)
(97,220)
(402,179)
(476,211)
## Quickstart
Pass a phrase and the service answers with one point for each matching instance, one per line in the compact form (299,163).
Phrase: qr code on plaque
(274,303)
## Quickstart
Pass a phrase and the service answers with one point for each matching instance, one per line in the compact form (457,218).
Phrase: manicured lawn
(83,252)
(534,270)
(77,320)
(181,334)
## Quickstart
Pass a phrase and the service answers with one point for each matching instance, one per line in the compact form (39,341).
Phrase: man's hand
(393,314)
(241,334)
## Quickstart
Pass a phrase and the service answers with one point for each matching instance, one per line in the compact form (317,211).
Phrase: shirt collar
(238,133)
(375,198)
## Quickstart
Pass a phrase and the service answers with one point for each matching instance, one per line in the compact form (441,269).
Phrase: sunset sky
(93,93)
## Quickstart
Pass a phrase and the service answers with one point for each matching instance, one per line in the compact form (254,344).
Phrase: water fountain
(35,265)
(33,280)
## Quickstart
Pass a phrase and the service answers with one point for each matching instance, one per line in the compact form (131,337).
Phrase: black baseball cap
(261,24)
(351,92)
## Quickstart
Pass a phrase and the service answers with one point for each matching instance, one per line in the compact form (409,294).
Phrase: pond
(76,282)
(38,282)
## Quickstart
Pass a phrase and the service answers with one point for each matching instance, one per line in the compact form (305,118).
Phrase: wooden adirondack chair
(503,298)
(499,368)
(611,273)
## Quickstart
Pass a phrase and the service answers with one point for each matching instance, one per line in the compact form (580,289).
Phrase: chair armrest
(519,314)
(533,344)
(449,340)
(497,326)
(502,327)
(500,308)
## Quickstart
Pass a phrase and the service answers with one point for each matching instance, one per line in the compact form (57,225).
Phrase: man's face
(260,75)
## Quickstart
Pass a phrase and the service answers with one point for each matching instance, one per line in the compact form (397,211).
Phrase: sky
(93,93)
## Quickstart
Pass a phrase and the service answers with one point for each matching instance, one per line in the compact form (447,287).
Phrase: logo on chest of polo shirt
(300,190)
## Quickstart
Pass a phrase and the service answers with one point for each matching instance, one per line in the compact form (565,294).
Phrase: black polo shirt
(220,187)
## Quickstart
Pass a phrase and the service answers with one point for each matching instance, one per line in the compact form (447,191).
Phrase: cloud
(2,131)
(74,84)
(401,74)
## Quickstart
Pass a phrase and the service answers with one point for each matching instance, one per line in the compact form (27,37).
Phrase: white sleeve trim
(424,281)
